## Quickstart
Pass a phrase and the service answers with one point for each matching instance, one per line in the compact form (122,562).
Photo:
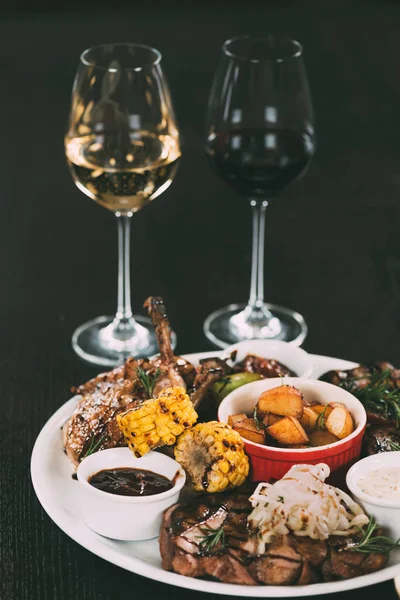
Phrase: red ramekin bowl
(268,462)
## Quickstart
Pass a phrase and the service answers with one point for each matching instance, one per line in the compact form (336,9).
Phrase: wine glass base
(218,328)
(93,341)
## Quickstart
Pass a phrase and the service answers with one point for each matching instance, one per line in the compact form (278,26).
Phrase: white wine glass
(122,148)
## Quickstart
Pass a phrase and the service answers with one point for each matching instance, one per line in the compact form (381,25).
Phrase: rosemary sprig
(256,419)
(147,381)
(370,544)
(393,445)
(378,396)
(320,422)
(211,538)
(94,446)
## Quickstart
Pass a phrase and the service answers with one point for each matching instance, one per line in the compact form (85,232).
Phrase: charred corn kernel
(157,422)
(213,456)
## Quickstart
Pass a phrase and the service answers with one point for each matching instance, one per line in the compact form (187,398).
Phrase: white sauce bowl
(127,517)
(386,512)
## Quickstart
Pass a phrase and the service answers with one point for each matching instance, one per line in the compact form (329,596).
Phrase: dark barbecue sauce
(125,481)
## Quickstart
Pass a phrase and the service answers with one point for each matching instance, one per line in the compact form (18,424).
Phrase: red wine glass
(260,138)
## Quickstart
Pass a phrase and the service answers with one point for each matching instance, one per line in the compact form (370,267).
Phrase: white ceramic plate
(59,495)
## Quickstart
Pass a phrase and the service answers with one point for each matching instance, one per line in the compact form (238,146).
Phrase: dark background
(332,249)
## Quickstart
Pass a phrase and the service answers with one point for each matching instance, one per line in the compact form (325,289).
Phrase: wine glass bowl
(259,139)
(122,148)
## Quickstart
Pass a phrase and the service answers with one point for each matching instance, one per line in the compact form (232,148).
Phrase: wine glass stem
(256,299)
(124,324)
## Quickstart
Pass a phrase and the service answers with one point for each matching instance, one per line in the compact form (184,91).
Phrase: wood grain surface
(332,250)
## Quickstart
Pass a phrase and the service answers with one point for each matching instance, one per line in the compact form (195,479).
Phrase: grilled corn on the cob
(213,456)
(157,422)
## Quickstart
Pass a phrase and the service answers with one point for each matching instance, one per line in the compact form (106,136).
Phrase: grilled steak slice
(275,570)
(263,366)
(210,538)
(313,551)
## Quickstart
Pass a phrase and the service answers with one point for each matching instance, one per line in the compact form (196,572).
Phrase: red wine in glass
(260,138)
(260,163)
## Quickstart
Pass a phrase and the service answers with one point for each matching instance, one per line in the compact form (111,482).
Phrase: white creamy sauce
(381,483)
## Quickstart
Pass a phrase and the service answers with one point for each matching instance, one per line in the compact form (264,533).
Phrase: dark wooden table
(332,251)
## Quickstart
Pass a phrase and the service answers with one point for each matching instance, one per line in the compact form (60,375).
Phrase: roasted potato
(288,431)
(322,438)
(248,430)
(320,408)
(270,419)
(227,384)
(339,421)
(234,419)
(284,400)
(308,419)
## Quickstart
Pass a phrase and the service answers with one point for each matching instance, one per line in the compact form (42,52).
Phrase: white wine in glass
(122,148)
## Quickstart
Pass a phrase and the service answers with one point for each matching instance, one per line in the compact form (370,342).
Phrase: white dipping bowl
(386,512)
(296,359)
(127,517)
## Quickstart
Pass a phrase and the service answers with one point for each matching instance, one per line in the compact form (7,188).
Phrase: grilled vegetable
(212,454)
(229,383)
(284,400)
(157,422)
(288,431)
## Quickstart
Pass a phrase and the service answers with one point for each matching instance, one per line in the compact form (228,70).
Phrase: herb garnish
(393,445)
(281,499)
(147,381)
(211,538)
(379,396)
(370,544)
(94,446)
(320,422)
(256,419)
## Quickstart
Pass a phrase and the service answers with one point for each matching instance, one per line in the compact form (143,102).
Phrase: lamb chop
(211,538)
(165,363)
(93,424)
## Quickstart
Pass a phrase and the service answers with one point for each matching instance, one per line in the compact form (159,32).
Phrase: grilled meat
(361,376)
(263,366)
(211,538)
(210,370)
(377,386)
(380,439)
(169,372)
(93,423)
